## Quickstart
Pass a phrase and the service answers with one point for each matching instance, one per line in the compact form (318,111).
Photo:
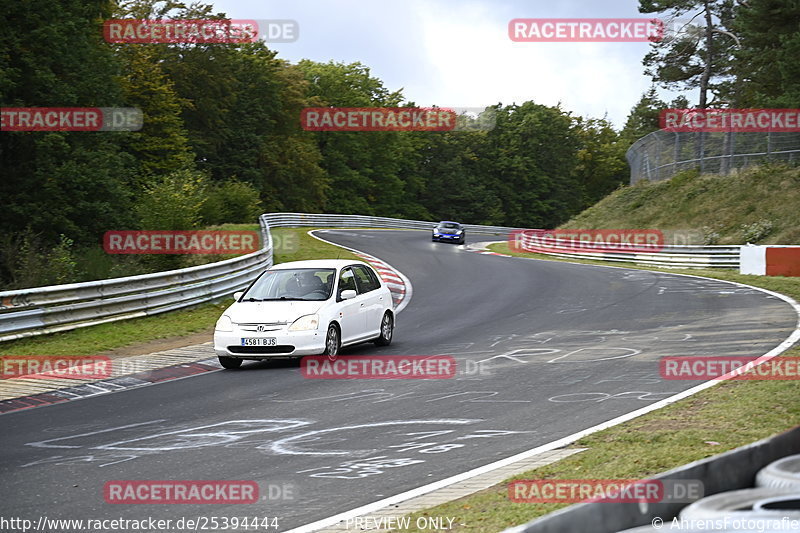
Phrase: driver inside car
(309,283)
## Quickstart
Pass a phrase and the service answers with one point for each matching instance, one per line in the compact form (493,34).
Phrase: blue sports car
(447,231)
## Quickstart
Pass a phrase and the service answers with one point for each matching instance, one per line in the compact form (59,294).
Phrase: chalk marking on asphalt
(565,441)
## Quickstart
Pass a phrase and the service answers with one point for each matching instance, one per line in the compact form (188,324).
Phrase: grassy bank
(760,205)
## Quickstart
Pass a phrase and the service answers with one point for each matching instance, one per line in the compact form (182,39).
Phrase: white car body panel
(358,318)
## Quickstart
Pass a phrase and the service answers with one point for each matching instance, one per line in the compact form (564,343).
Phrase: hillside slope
(758,205)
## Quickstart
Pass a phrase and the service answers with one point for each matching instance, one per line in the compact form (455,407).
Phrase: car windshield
(292,284)
(449,225)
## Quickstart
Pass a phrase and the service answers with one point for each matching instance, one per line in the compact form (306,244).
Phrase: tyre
(781,474)
(387,330)
(333,342)
(746,504)
(229,362)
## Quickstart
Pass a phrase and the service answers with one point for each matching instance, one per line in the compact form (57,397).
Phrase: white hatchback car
(304,308)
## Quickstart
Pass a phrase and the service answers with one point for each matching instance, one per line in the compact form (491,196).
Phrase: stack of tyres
(772,507)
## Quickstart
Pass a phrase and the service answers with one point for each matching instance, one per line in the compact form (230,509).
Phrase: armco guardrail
(28,312)
(667,256)
(296,220)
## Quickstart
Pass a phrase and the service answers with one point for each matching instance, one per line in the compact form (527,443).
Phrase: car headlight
(305,323)
(459,232)
(224,323)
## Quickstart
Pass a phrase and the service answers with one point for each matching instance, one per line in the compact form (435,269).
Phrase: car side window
(376,282)
(347,281)
(365,279)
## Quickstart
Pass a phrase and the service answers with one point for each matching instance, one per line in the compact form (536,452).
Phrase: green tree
(364,168)
(72,183)
(162,145)
(531,156)
(766,63)
(644,117)
(230,201)
(454,174)
(696,50)
(173,202)
(601,166)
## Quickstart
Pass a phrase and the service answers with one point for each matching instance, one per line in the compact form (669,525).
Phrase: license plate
(259,341)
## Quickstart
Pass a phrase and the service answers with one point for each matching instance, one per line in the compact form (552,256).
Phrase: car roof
(318,263)
(449,222)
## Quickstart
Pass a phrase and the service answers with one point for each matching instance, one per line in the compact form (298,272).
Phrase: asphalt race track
(545,349)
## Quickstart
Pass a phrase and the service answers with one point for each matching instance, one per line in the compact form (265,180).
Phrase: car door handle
(362,305)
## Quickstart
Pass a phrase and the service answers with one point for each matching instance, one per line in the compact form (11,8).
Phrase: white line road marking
(284,446)
(425,489)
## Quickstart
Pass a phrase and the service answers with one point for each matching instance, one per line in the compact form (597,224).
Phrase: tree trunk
(709,56)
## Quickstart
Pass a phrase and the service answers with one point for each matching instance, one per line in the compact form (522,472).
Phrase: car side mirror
(238,295)
(349,294)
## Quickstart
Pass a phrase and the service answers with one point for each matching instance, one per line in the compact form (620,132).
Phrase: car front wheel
(387,329)
(332,342)
(229,362)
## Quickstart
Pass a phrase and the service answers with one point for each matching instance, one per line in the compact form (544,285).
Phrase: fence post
(677,153)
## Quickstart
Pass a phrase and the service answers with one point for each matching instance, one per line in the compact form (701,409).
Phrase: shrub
(757,230)
(231,201)
(172,202)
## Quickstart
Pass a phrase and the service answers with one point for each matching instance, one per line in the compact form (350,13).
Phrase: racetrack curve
(553,348)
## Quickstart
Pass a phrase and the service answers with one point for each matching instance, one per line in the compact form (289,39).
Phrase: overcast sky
(458,53)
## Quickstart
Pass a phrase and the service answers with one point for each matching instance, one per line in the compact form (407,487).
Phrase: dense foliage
(222,139)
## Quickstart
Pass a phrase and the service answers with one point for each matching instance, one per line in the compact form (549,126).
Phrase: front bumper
(288,344)
(447,237)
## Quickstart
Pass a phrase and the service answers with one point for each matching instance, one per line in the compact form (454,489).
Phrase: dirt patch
(160,345)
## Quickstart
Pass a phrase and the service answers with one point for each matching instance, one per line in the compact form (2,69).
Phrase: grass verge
(291,244)
(724,417)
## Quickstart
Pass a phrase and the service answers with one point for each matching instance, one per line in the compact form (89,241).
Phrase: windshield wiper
(287,298)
